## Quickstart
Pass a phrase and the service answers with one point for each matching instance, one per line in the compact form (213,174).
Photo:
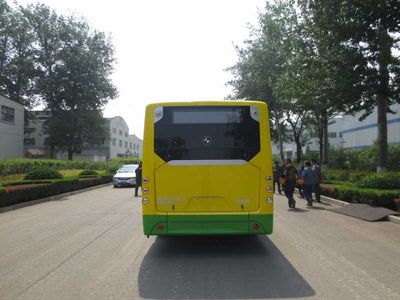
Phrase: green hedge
(88,173)
(344,175)
(352,194)
(386,181)
(125,160)
(47,188)
(364,159)
(43,172)
(24,165)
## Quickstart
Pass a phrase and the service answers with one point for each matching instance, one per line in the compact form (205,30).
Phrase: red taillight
(256,226)
(160,227)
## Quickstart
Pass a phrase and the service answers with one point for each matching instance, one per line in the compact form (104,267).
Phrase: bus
(207,169)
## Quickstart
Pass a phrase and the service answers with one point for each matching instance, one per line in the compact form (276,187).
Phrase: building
(35,138)
(120,144)
(11,128)
(349,132)
(360,134)
(135,146)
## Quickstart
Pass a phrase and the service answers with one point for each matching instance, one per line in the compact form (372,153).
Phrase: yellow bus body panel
(207,199)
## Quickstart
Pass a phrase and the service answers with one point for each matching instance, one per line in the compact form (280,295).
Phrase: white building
(120,144)
(35,138)
(135,146)
(349,132)
(11,128)
(360,134)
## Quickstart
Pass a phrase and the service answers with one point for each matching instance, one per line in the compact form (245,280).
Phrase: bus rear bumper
(243,224)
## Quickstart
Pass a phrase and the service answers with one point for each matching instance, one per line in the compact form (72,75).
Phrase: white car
(125,176)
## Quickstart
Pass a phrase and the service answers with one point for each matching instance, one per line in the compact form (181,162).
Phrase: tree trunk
(70,154)
(321,145)
(51,152)
(383,59)
(279,130)
(280,141)
(298,150)
(325,141)
(382,133)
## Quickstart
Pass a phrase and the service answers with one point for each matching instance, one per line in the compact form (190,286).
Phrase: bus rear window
(206,133)
(206,116)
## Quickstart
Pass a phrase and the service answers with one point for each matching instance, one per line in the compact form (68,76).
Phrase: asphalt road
(91,246)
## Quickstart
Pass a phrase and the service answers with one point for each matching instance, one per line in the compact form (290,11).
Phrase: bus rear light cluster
(269,200)
(269,189)
(145,180)
(160,227)
(145,201)
(269,178)
(256,226)
(145,190)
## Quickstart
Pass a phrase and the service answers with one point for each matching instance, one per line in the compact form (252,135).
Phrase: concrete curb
(393,219)
(51,198)
(333,201)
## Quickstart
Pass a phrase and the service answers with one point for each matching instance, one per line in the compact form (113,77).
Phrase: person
(309,178)
(300,171)
(290,175)
(138,173)
(316,188)
(277,173)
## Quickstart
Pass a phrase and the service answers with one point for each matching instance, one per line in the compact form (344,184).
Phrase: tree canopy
(311,60)
(61,63)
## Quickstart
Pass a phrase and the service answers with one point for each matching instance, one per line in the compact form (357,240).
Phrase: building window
(120,143)
(126,144)
(126,134)
(332,135)
(29,141)
(120,132)
(114,130)
(340,134)
(114,141)
(130,145)
(7,114)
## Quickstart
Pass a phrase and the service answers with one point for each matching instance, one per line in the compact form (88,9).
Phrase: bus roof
(210,103)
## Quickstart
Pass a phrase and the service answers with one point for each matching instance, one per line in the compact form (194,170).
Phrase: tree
(74,65)
(72,131)
(17,55)
(369,29)
(261,64)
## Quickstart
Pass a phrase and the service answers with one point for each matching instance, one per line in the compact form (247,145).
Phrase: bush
(88,172)
(331,175)
(24,165)
(22,182)
(43,173)
(372,197)
(125,160)
(352,194)
(54,187)
(387,181)
(364,159)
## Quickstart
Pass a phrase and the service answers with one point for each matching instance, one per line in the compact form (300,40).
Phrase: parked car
(125,176)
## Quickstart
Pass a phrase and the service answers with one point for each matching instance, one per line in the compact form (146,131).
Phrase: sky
(166,50)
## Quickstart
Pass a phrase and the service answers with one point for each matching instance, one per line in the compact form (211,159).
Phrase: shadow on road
(218,268)
(316,208)
(298,209)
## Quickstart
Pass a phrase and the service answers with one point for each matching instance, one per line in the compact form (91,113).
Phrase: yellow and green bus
(207,169)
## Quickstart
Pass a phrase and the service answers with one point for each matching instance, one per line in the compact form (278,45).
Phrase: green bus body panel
(206,224)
